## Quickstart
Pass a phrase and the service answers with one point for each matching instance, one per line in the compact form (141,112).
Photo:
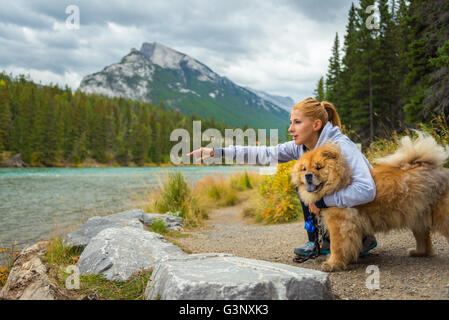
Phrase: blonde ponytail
(324,111)
(332,114)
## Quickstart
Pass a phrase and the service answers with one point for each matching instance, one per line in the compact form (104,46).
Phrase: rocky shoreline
(119,245)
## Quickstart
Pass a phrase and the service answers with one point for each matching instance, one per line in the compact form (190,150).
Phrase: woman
(312,124)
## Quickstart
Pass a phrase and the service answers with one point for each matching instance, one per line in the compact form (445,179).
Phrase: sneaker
(306,249)
(309,248)
(369,243)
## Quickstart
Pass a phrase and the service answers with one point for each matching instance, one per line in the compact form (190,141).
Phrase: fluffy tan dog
(412,191)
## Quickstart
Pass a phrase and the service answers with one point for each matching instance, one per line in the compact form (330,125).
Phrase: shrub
(280,202)
(175,195)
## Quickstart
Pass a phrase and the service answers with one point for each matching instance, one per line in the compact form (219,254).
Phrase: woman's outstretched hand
(202,153)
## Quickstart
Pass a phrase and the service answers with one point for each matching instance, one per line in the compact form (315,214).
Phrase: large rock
(171,222)
(222,277)
(119,252)
(95,225)
(28,278)
(126,215)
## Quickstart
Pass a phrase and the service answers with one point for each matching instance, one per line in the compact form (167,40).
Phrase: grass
(58,253)
(131,289)
(158,226)
(59,256)
(193,203)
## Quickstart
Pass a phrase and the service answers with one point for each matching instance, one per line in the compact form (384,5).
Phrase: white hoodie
(362,188)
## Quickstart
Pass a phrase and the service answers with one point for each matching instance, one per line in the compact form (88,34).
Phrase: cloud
(280,47)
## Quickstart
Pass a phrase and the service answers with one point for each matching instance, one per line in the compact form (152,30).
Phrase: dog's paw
(330,267)
(415,253)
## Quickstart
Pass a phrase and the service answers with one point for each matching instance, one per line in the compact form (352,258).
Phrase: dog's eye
(318,168)
(303,168)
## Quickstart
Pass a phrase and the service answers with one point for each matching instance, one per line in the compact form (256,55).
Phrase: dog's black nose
(309,177)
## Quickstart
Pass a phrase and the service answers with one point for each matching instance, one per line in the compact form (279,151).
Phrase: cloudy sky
(281,47)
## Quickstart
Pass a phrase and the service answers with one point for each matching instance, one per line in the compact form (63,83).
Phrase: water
(36,202)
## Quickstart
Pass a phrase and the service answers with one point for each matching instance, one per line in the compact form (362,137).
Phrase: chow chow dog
(412,192)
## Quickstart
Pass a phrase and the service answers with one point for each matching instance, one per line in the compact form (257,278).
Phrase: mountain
(286,103)
(157,73)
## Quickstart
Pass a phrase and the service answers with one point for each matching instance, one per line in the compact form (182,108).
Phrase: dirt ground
(400,276)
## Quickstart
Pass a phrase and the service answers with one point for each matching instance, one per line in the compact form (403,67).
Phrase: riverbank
(14,160)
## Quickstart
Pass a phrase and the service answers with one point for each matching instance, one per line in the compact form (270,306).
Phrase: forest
(393,75)
(50,126)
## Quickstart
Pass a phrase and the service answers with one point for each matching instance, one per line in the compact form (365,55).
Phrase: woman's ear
(317,125)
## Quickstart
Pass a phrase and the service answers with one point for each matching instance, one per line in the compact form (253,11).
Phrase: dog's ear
(330,152)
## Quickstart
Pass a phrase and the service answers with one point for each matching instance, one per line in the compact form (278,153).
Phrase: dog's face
(320,172)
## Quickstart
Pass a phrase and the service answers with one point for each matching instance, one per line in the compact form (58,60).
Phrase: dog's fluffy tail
(414,152)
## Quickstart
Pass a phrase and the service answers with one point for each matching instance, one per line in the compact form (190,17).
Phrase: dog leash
(311,226)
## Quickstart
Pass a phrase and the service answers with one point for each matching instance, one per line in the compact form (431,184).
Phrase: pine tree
(402,40)
(386,73)
(333,74)
(362,80)
(319,92)
(350,59)
(428,83)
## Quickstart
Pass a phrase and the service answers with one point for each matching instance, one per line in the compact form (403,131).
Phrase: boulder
(225,277)
(28,278)
(171,222)
(94,225)
(119,252)
(126,215)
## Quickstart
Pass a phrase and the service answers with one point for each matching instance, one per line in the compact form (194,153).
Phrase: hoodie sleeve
(263,155)
(362,188)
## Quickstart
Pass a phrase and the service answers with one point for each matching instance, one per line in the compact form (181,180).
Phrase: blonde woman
(312,124)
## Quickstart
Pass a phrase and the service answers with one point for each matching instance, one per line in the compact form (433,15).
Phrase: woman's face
(303,129)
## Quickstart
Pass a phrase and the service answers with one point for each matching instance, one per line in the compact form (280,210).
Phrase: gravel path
(400,277)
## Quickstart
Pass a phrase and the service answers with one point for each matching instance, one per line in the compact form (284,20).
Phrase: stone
(126,215)
(217,276)
(171,222)
(94,225)
(117,253)
(28,278)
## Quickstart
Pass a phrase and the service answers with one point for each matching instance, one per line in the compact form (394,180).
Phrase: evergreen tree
(363,77)
(350,59)
(333,74)
(319,92)
(386,75)
(428,82)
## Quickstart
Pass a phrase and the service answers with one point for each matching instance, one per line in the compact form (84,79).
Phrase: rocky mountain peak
(161,55)
(169,58)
